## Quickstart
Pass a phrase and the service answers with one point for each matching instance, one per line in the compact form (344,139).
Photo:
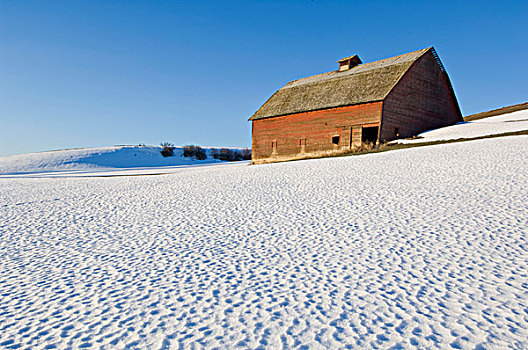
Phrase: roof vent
(349,62)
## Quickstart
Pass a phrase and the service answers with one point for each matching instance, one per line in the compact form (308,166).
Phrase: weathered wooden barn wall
(420,101)
(383,100)
(286,137)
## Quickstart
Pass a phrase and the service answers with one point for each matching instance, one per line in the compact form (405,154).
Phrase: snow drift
(501,124)
(418,248)
(103,158)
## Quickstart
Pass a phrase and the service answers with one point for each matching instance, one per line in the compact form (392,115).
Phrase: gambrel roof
(368,82)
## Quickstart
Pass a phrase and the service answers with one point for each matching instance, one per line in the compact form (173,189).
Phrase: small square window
(335,140)
(302,142)
(273,144)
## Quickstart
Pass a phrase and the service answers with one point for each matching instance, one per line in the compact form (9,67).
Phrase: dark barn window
(396,131)
(369,135)
(335,140)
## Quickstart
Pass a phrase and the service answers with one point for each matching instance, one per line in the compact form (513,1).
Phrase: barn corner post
(252,143)
(369,103)
(378,138)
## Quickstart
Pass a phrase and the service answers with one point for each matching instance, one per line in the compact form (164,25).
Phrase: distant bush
(225,154)
(228,155)
(194,151)
(246,154)
(215,153)
(168,149)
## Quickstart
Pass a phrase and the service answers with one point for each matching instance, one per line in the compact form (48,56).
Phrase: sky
(101,73)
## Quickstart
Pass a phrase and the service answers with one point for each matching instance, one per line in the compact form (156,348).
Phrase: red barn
(372,102)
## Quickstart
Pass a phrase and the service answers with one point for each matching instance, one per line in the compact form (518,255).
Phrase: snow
(423,247)
(505,123)
(126,160)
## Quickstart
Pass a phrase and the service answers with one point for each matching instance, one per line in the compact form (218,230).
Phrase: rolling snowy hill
(99,161)
(418,248)
(501,124)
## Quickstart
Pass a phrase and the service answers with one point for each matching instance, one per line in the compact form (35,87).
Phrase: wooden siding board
(420,101)
(317,127)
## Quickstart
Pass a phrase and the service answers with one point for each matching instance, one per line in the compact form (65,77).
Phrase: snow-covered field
(102,161)
(424,247)
(501,124)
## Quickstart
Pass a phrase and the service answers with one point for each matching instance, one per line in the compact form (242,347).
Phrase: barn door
(355,136)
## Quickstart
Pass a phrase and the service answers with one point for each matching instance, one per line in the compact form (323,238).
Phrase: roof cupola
(349,62)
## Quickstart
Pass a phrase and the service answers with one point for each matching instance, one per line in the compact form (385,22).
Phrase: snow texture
(418,248)
(505,123)
(86,161)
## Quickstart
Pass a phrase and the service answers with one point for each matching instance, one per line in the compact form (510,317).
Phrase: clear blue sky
(99,73)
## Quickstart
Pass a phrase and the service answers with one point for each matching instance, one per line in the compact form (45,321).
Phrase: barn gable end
(423,99)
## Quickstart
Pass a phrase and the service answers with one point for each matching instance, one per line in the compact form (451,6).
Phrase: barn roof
(366,82)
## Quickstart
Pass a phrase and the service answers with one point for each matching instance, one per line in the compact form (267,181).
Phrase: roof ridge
(356,70)
(367,82)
